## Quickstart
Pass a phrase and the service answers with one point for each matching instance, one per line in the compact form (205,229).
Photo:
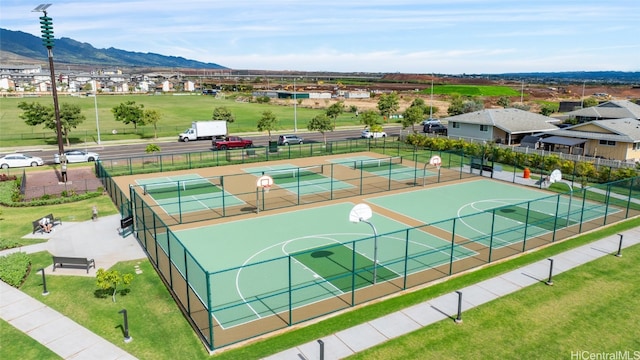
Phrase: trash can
(273,146)
(527,173)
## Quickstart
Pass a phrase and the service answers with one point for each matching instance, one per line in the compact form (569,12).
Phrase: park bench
(52,220)
(60,261)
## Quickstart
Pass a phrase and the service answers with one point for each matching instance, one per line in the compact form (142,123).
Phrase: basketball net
(266,188)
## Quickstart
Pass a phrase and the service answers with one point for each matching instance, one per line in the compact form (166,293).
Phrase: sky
(406,36)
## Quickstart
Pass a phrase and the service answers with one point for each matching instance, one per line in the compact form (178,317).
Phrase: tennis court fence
(192,200)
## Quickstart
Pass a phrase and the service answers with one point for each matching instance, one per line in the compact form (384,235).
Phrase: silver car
(74,156)
(19,160)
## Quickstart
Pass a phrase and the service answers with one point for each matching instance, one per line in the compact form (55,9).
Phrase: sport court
(187,193)
(270,264)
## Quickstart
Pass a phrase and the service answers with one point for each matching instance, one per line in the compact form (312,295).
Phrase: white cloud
(447,36)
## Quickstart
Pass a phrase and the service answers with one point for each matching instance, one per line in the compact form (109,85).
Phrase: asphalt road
(114,150)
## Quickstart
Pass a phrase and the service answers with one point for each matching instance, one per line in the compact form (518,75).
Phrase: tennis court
(300,180)
(187,193)
(315,259)
(390,167)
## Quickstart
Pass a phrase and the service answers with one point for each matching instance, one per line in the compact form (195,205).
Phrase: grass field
(592,308)
(472,90)
(177,113)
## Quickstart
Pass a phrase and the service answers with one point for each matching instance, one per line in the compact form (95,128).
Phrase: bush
(8,244)
(13,268)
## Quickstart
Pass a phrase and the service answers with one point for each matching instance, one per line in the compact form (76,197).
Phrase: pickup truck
(231,142)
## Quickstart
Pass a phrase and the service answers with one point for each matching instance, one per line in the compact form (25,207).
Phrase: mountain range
(16,46)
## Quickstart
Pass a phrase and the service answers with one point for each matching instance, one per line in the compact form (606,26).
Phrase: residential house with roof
(504,126)
(613,109)
(616,139)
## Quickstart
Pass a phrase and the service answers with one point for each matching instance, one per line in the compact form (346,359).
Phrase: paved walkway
(99,240)
(358,338)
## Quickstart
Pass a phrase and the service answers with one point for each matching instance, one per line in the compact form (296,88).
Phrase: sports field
(274,263)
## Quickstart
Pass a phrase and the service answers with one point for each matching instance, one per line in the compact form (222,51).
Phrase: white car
(77,156)
(19,160)
(372,135)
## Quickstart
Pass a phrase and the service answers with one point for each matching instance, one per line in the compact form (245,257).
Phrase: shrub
(13,268)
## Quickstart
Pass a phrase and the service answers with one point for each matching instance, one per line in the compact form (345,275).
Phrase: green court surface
(390,167)
(300,180)
(321,243)
(187,193)
(484,207)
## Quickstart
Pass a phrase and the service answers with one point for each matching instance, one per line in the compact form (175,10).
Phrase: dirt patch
(50,182)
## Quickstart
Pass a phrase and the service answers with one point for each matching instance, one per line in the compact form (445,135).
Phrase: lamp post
(295,107)
(95,104)
(44,283)
(362,213)
(46,25)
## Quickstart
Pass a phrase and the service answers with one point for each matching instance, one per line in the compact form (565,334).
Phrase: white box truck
(204,130)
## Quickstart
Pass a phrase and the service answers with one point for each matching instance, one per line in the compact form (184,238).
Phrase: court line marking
(314,275)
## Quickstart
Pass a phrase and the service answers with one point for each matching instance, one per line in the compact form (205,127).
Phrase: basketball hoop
(436,161)
(265,182)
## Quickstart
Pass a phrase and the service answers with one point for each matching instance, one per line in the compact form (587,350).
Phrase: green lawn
(472,90)
(592,308)
(177,114)
(16,345)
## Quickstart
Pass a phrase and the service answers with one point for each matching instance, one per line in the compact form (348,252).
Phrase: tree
(38,114)
(589,102)
(388,104)
(460,105)
(321,123)
(268,122)
(223,114)
(152,148)
(110,279)
(411,116)
(370,118)
(334,111)
(152,117)
(129,113)
(504,101)
(548,108)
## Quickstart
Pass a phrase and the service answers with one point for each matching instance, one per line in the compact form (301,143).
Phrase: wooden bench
(60,261)
(52,220)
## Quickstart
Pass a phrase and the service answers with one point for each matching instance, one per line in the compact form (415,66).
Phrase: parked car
(19,160)
(372,135)
(435,129)
(289,139)
(74,156)
(430,121)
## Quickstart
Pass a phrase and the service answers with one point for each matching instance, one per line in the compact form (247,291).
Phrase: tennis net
(177,186)
(377,163)
(296,172)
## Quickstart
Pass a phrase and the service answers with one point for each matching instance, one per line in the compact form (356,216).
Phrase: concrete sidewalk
(99,240)
(375,332)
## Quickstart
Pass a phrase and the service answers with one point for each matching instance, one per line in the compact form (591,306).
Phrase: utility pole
(46,25)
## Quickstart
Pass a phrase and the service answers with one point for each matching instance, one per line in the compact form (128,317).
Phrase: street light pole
(46,25)
(95,103)
(295,108)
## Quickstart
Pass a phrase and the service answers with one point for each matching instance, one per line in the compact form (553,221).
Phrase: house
(505,126)
(617,139)
(614,109)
